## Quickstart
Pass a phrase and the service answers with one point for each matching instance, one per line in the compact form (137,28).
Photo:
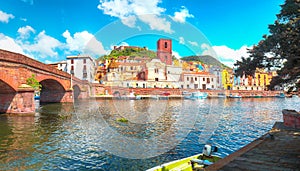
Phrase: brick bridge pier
(17,97)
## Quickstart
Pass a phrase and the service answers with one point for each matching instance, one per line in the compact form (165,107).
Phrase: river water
(132,134)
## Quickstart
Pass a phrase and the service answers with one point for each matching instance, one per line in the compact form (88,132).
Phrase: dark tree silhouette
(280,50)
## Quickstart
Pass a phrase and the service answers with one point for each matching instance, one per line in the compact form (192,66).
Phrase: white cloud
(23,19)
(83,42)
(123,44)
(156,23)
(8,43)
(24,32)
(129,10)
(176,54)
(4,17)
(49,62)
(225,54)
(43,46)
(129,21)
(208,50)
(193,43)
(181,40)
(182,15)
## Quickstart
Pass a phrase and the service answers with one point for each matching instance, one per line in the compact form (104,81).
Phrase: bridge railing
(22,59)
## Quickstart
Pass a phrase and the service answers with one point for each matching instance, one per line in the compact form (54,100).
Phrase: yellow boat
(192,163)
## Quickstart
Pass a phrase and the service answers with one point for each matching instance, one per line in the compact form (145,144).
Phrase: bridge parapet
(22,59)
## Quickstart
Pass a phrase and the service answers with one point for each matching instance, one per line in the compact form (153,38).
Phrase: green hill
(206,59)
(144,52)
(130,51)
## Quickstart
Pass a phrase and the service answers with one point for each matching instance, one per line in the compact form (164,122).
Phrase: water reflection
(87,135)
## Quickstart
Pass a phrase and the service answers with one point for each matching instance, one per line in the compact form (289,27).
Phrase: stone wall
(291,118)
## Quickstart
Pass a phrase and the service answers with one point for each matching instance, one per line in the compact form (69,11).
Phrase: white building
(82,67)
(217,71)
(199,80)
(62,66)
(173,73)
(156,70)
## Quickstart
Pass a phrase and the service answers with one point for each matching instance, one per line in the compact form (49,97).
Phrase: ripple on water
(53,142)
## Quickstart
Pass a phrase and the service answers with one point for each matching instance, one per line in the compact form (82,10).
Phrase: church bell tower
(164,51)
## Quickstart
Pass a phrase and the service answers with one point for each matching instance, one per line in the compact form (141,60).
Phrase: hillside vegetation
(143,52)
(206,59)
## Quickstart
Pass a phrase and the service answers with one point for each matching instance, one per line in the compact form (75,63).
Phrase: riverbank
(179,93)
(276,150)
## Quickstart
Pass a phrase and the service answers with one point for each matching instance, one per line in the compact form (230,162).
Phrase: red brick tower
(164,51)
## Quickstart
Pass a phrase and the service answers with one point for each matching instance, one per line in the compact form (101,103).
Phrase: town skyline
(51,30)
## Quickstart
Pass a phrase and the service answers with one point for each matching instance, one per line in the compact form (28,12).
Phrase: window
(72,69)
(84,61)
(156,70)
(166,44)
(195,78)
(187,78)
(84,76)
(208,80)
(203,79)
(156,79)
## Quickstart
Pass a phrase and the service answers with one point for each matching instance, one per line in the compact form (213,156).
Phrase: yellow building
(227,79)
(262,78)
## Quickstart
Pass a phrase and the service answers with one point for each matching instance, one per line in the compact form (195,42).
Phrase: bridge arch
(6,88)
(76,91)
(7,94)
(52,91)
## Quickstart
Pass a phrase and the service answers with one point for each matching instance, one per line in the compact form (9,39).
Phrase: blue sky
(49,30)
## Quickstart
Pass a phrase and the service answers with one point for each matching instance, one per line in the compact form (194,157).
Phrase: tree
(280,49)
(32,81)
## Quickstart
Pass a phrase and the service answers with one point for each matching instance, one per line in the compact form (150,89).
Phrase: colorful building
(227,79)
(260,81)
(199,80)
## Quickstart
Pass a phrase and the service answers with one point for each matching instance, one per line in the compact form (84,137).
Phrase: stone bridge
(17,97)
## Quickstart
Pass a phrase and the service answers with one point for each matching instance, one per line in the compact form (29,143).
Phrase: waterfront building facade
(173,72)
(227,79)
(82,67)
(217,71)
(124,71)
(260,81)
(199,80)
